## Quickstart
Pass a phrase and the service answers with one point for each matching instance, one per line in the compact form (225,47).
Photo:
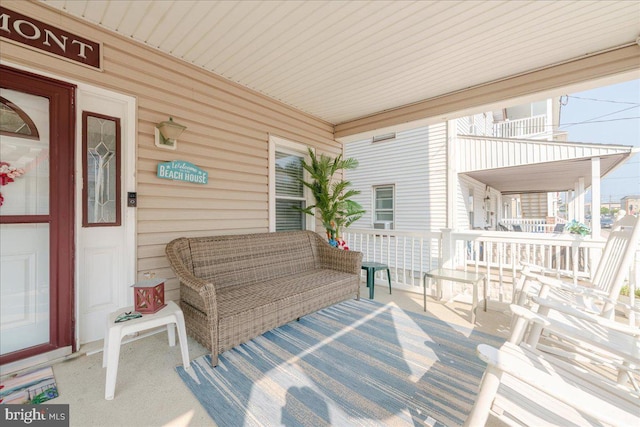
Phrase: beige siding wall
(227,135)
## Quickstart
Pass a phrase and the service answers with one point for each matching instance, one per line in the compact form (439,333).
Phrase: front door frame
(62,118)
(129,219)
(95,99)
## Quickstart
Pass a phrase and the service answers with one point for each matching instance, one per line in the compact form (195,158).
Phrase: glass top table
(466,277)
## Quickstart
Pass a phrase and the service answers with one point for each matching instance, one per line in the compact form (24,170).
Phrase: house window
(286,191)
(289,191)
(384,215)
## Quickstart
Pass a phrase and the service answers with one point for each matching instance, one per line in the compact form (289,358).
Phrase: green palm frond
(332,197)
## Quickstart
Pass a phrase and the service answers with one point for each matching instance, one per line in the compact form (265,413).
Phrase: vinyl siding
(415,163)
(482,124)
(227,135)
(469,186)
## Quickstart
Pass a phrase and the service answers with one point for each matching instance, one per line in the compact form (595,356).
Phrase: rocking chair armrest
(552,282)
(596,293)
(599,320)
(535,269)
(524,285)
(606,299)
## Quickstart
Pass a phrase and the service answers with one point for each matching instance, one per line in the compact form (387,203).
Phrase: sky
(608,115)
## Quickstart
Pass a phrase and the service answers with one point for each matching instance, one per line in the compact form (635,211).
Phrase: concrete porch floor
(150,393)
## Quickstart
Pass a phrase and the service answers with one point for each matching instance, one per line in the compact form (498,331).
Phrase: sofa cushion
(247,311)
(251,258)
(236,299)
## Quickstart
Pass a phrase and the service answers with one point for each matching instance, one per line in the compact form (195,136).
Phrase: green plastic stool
(371,268)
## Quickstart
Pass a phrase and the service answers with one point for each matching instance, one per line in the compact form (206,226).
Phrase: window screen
(289,192)
(384,204)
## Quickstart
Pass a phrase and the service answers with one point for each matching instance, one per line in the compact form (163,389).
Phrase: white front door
(106,248)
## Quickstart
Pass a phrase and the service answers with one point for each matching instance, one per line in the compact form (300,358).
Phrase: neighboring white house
(478,172)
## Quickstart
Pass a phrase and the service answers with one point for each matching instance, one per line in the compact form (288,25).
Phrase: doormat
(32,387)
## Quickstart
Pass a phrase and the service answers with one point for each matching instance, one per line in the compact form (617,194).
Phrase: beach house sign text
(180,170)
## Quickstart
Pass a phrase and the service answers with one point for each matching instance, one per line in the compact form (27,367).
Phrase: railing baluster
(420,273)
(480,251)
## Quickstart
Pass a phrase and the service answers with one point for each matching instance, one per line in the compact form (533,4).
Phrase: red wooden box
(148,296)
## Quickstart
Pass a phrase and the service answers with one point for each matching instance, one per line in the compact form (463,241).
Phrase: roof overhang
(560,175)
(370,68)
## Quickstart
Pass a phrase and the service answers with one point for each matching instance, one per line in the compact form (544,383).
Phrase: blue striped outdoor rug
(357,363)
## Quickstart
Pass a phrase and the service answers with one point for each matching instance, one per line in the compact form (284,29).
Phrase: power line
(593,120)
(620,177)
(587,122)
(601,100)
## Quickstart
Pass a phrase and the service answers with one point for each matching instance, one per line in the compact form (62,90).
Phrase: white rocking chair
(601,295)
(522,386)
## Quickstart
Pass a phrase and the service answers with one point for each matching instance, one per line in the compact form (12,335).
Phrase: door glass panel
(24,286)
(14,121)
(24,243)
(24,162)
(101,173)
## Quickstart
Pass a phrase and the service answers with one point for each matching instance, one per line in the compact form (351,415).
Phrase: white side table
(170,315)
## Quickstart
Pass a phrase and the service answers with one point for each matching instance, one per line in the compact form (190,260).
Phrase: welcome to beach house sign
(179,170)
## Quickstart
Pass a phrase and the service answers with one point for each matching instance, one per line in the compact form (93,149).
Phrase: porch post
(448,257)
(579,199)
(571,204)
(595,197)
(452,178)
(448,248)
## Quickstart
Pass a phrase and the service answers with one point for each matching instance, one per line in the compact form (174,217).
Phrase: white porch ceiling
(343,60)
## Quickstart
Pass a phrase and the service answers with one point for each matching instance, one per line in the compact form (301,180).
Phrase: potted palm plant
(331,194)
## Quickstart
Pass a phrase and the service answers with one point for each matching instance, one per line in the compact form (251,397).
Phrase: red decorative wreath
(8,174)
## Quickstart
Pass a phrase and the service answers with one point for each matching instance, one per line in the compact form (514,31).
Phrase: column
(595,197)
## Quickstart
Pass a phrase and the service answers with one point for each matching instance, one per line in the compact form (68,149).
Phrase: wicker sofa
(235,288)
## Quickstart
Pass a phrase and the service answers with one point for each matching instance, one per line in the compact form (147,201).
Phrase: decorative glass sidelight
(101,190)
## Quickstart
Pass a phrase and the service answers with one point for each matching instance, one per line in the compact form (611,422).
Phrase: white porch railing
(500,254)
(531,225)
(520,128)
(408,254)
